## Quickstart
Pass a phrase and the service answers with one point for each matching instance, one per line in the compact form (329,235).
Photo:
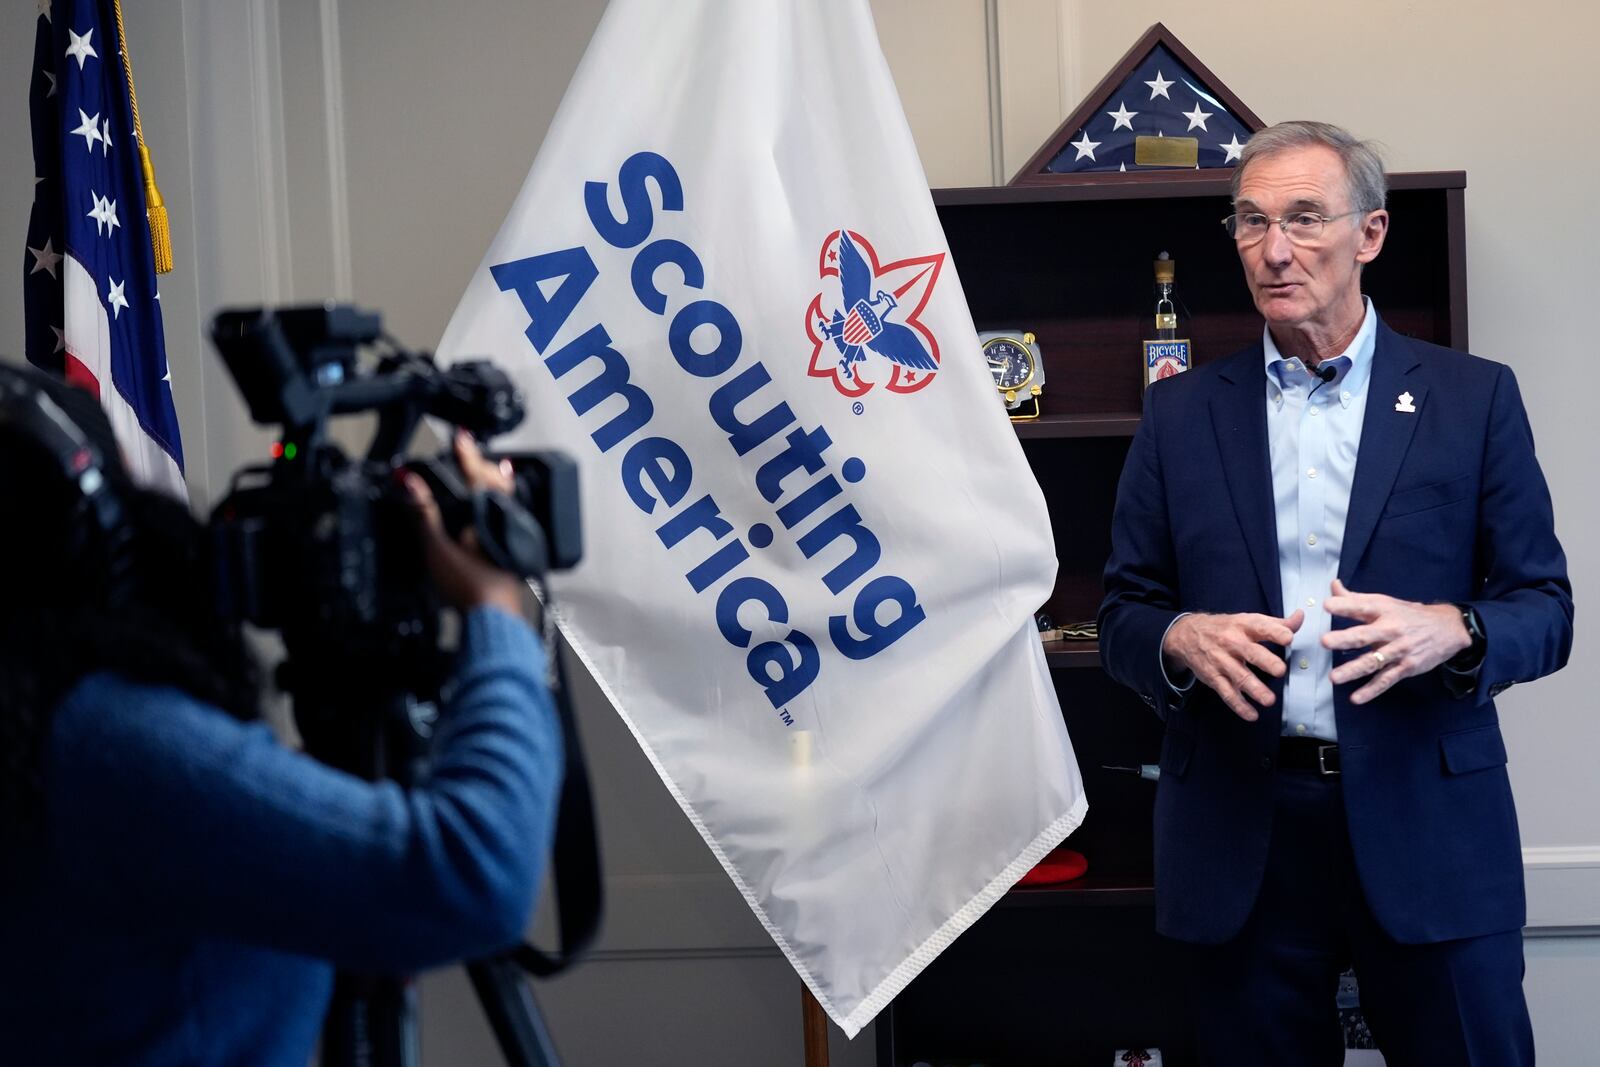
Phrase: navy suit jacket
(1448,504)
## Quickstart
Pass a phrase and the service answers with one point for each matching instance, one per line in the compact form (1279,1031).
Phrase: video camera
(325,547)
(327,550)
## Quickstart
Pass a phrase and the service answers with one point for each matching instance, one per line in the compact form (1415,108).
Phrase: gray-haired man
(1330,552)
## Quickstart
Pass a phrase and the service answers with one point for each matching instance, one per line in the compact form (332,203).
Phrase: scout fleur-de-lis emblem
(862,323)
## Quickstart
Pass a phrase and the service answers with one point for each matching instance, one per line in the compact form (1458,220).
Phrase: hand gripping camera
(325,547)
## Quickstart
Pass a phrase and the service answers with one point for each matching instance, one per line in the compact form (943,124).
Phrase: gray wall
(368,150)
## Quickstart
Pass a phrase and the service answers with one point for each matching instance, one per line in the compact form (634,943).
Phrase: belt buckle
(1322,761)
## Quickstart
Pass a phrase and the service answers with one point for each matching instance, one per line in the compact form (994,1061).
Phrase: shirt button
(1311,472)
(1313,412)
(1311,539)
(1304,665)
(1300,728)
(1345,395)
(1311,601)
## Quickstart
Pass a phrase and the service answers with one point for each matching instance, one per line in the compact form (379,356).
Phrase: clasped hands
(1230,653)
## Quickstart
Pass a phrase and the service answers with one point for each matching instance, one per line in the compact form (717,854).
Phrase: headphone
(99,540)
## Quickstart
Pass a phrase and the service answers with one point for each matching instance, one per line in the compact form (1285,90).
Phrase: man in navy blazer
(1330,553)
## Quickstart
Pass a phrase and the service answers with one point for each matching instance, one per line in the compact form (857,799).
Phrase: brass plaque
(1166,151)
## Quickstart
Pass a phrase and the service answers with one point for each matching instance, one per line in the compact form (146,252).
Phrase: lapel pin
(1405,404)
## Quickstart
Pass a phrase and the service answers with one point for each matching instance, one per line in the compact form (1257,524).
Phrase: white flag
(813,547)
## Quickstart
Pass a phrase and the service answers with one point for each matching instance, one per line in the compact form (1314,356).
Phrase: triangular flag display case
(1073,973)
(1159,111)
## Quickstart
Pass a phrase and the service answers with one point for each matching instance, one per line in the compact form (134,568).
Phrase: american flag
(89,281)
(1161,101)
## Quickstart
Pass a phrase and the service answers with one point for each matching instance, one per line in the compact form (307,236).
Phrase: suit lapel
(1385,436)
(1239,419)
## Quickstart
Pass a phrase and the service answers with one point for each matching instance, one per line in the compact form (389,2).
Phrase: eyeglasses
(1301,227)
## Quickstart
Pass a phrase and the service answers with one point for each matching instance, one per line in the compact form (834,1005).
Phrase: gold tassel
(155,207)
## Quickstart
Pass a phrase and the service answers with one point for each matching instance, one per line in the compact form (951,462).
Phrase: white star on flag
(105,135)
(1196,117)
(1233,148)
(89,128)
(104,214)
(61,338)
(1123,117)
(115,297)
(1085,146)
(98,213)
(1159,86)
(80,48)
(52,90)
(44,259)
(44,9)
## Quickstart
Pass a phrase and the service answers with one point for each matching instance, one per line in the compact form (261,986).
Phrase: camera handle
(511,538)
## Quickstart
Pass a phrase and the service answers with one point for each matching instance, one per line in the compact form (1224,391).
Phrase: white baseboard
(1563,889)
(700,914)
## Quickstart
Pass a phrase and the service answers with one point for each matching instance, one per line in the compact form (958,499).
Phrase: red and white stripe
(87,335)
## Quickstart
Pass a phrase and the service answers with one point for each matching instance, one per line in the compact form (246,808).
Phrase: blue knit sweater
(198,882)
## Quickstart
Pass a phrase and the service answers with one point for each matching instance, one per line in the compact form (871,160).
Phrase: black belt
(1308,754)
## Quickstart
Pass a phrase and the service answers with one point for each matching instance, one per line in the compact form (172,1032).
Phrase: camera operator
(176,886)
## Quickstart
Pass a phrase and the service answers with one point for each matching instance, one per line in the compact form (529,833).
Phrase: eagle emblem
(877,315)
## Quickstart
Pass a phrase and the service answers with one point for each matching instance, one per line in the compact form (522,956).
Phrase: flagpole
(814,1025)
(155,206)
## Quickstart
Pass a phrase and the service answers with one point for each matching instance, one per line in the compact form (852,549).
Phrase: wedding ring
(1379,657)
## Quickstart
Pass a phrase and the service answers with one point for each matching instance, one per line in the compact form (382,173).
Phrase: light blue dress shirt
(1313,434)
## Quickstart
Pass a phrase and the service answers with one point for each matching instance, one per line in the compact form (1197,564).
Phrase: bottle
(1167,353)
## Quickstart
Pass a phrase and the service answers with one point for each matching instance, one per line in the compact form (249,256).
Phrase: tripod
(373,1020)
(350,719)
